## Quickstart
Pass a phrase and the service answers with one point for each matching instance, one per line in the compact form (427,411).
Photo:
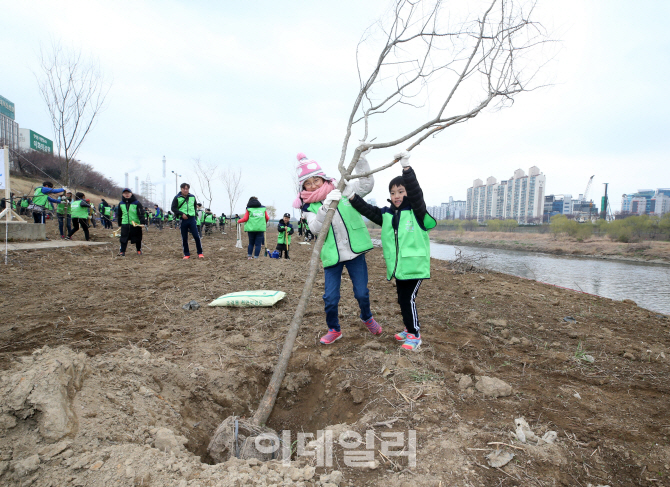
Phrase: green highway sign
(6,107)
(40,143)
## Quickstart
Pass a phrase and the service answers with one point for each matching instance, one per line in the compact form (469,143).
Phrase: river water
(646,284)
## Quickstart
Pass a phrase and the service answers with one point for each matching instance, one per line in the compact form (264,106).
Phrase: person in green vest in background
(405,226)
(105,214)
(285,230)
(184,207)
(42,201)
(79,209)
(130,217)
(255,223)
(347,240)
(208,221)
(222,223)
(63,212)
(25,203)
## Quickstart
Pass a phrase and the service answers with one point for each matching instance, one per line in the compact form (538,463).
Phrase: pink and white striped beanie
(308,168)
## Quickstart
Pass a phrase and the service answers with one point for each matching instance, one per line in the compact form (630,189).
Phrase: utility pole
(137,182)
(175,181)
(164,176)
(126,186)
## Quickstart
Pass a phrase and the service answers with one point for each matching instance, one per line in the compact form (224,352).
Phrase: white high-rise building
(520,197)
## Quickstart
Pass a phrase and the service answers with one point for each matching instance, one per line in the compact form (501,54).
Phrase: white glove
(348,189)
(404,158)
(334,195)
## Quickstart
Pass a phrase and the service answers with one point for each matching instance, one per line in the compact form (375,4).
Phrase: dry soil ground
(600,247)
(137,376)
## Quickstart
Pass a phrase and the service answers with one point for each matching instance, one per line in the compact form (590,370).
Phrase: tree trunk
(267,403)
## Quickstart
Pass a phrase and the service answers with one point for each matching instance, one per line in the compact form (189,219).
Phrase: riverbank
(594,247)
(141,376)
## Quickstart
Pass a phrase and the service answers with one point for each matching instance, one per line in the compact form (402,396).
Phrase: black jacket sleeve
(281,228)
(415,195)
(175,204)
(140,213)
(118,213)
(371,212)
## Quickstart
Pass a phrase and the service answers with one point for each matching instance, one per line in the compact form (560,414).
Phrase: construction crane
(586,194)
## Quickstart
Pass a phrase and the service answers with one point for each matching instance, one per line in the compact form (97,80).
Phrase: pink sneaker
(373,326)
(330,337)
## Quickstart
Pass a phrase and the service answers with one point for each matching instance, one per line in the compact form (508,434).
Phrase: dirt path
(150,366)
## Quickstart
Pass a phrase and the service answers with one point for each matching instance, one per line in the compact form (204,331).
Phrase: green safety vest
(62,208)
(40,198)
(209,218)
(129,214)
(186,205)
(108,210)
(24,203)
(359,237)
(413,243)
(256,222)
(79,211)
(281,238)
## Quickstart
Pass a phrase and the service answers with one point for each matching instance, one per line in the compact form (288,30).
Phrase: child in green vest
(405,225)
(346,243)
(284,232)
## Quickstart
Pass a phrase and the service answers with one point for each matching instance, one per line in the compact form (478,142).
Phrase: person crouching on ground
(285,230)
(346,243)
(131,219)
(405,225)
(184,209)
(79,210)
(255,222)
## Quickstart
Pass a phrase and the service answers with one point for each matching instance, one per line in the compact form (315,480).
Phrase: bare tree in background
(232,183)
(205,174)
(74,89)
(467,57)
(272,211)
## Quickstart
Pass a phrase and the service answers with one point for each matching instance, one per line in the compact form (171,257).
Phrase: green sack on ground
(246,299)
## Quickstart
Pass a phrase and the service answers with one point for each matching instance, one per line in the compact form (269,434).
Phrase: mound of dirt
(110,420)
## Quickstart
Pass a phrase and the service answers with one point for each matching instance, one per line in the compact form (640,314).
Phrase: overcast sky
(251,84)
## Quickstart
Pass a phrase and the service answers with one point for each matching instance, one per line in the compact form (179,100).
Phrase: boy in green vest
(42,201)
(285,230)
(405,225)
(346,243)
(130,217)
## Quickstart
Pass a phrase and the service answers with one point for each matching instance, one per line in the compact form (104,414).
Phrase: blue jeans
(190,225)
(358,272)
(61,222)
(255,240)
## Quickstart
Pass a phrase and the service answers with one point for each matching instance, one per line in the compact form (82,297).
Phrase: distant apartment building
(440,212)
(521,197)
(646,202)
(456,209)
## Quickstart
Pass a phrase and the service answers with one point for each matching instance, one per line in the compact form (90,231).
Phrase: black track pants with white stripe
(407,291)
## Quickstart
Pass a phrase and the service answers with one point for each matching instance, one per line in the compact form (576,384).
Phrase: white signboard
(2,169)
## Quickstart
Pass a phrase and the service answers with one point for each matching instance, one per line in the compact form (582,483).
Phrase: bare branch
(74,91)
